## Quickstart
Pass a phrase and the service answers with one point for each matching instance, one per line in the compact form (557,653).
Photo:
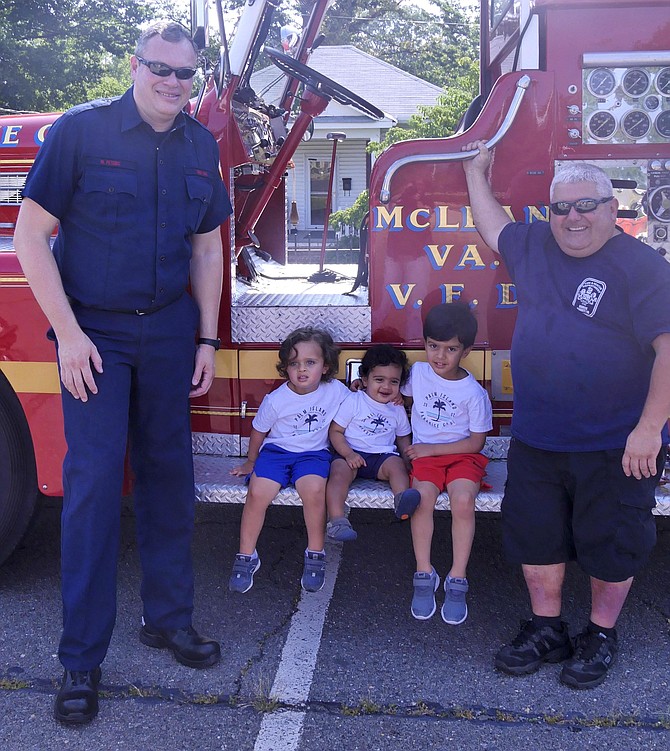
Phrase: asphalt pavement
(348,668)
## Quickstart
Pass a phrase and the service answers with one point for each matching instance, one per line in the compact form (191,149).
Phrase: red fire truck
(560,80)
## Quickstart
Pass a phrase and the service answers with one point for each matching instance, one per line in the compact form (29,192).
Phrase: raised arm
(488,214)
(76,352)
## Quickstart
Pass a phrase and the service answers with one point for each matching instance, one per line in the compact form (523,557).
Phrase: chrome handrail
(458,156)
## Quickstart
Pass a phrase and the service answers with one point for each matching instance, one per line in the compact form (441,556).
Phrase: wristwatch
(216,343)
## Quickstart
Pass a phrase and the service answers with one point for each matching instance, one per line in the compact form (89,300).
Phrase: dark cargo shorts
(563,506)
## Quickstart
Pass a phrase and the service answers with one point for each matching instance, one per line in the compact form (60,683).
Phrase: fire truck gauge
(601,82)
(636,124)
(659,203)
(651,102)
(601,125)
(663,82)
(663,124)
(635,82)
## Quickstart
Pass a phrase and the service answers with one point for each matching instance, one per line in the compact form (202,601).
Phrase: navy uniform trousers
(142,401)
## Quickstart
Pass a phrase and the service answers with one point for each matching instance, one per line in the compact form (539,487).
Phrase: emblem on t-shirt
(588,296)
(374,423)
(309,420)
(438,409)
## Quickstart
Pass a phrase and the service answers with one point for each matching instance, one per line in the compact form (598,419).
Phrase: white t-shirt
(370,426)
(446,411)
(299,422)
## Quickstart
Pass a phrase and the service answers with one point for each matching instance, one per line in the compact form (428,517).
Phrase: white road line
(282,730)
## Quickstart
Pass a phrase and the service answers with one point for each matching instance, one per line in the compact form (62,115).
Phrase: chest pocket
(199,190)
(110,181)
(108,194)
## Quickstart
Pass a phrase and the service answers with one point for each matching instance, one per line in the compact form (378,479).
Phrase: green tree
(441,119)
(435,45)
(53,53)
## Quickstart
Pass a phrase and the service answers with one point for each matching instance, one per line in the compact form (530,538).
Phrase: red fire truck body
(561,80)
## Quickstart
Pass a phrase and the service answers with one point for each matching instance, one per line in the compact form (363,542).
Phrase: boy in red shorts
(451,414)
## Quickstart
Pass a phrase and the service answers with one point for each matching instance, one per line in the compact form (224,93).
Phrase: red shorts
(441,470)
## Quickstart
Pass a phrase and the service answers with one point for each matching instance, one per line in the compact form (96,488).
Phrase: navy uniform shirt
(128,200)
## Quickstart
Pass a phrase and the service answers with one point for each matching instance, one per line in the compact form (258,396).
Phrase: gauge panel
(601,82)
(663,124)
(635,82)
(626,104)
(636,124)
(662,82)
(602,125)
(659,203)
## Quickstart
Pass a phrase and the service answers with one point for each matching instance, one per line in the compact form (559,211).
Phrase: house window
(319,175)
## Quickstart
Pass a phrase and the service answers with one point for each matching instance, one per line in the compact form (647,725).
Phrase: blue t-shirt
(581,349)
(128,200)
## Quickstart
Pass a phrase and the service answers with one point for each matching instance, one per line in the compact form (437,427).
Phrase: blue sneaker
(341,530)
(406,503)
(242,577)
(314,571)
(455,609)
(423,602)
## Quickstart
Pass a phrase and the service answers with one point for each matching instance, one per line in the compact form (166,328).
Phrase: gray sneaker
(455,609)
(423,602)
(314,571)
(242,577)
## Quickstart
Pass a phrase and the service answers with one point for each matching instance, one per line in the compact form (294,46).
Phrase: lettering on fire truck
(440,257)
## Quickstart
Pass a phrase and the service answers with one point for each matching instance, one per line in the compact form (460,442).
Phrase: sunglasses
(581,205)
(163,70)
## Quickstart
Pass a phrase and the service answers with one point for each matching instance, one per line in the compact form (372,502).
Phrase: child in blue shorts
(289,445)
(367,428)
(451,414)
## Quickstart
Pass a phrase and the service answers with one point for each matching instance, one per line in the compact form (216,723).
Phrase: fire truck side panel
(425,234)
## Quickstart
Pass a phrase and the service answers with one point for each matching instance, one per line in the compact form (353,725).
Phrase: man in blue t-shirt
(133,184)
(591,364)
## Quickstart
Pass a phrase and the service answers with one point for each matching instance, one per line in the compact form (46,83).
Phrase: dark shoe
(188,647)
(406,503)
(532,646)
(77,699)
(594,655)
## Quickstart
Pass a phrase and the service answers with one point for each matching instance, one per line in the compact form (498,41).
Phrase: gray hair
(167,30)
(582,172)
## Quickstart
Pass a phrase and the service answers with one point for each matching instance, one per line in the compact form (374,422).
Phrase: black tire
(18,474)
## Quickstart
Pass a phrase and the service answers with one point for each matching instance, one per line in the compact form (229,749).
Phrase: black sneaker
(595,653)
(532,646)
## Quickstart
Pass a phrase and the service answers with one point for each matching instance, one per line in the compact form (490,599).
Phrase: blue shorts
(373,463)
(285,467)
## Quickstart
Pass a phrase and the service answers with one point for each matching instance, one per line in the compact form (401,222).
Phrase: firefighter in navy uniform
(134,186)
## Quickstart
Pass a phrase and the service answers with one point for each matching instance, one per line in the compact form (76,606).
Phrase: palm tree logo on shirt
(309,420)
(378,422)
(438,408)
(439,405)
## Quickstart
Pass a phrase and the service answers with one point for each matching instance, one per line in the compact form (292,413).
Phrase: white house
(395,92)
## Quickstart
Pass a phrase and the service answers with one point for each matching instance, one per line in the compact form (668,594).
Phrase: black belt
(135,312)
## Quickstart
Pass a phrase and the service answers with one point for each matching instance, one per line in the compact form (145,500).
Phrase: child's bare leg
(394,471)
(339,481)
(422,525)
(312,492)
(462,494)
(259,496)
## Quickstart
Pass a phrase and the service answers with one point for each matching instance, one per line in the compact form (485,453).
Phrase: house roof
(392,90)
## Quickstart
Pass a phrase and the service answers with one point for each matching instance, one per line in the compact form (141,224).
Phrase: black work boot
(595,653)
(77,699)
(532,646)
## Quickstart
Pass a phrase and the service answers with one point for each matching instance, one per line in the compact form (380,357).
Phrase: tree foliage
(441,119)
(435,45)
(54,52)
